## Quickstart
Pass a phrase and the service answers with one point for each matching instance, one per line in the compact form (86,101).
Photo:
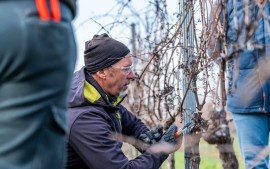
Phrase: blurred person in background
(37,59)
(97,120)
(249,83)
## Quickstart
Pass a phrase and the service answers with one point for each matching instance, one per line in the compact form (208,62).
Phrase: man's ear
(101,74)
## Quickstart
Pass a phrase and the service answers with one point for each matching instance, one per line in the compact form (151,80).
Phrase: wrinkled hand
(169,135)
(169,142)
(148,138)
(152,136)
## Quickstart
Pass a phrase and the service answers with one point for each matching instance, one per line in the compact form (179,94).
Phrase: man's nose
(132,75)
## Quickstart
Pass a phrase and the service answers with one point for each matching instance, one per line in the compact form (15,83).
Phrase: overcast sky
(85,27)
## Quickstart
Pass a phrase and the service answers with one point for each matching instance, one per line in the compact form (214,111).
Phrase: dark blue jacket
(93,122)
(249,85)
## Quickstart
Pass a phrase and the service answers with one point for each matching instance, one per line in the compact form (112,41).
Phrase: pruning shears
(184,128)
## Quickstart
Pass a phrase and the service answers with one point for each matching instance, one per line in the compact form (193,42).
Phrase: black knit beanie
(102,52)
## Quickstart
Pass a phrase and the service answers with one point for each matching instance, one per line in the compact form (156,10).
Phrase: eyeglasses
(126,69)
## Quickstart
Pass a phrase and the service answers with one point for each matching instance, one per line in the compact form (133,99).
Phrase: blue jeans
(253,132)
(37,60)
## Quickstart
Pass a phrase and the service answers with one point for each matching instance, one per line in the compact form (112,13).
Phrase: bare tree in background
(157,96)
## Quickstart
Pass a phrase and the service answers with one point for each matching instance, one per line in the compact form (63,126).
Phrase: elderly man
(96,117)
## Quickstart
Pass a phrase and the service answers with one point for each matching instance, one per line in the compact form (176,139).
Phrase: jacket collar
(96,95)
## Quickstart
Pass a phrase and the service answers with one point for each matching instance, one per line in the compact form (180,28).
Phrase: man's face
(119,76)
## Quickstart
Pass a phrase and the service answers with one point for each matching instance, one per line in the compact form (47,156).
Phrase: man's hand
(148,138)
(170,136)
(170,141)
(152,136)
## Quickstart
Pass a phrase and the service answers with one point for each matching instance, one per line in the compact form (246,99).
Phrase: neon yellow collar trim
(118,100)
(92,94)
